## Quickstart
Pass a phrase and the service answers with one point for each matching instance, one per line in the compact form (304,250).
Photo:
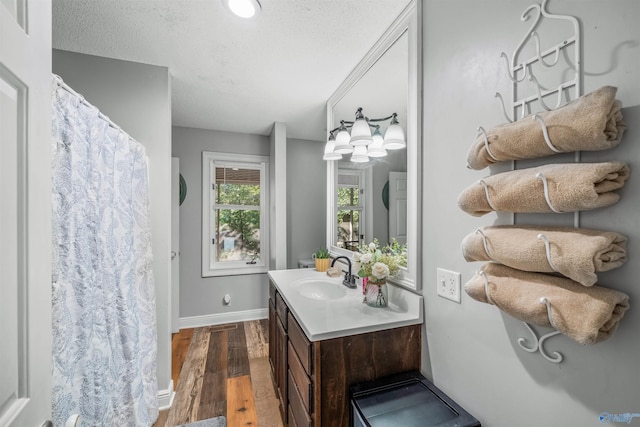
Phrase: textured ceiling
(228,73)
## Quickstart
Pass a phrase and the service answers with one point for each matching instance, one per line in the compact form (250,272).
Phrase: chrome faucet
(349,279)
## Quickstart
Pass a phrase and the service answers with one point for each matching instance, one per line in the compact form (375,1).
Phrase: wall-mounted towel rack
(547,249)
(521,72)
(545,133)
(545,239)
(545,186)
(538,341)
(486,193)
(486,142)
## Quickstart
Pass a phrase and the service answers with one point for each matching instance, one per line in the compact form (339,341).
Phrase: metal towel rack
(520,73)
(539,176)
(539,342)
(540,236)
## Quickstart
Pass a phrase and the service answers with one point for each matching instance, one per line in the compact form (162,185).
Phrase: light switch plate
(448,284)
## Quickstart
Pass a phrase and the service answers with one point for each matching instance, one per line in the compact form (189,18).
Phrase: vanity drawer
(296,407)
(303,383)
(282,310)
(302,346)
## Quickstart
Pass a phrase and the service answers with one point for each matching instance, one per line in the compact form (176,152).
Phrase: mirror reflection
(371,196)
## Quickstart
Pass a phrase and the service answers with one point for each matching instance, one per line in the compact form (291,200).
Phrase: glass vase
(376,294)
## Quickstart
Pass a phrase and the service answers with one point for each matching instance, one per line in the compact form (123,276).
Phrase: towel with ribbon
(560,187)
(577,253)
(585,314)
(590,123)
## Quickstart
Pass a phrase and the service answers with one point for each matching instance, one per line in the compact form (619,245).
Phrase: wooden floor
(223,370)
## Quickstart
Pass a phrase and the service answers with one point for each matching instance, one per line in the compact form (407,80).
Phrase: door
(398,206)
(25,212)
(175,244)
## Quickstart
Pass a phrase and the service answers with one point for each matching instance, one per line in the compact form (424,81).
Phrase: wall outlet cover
(448,284)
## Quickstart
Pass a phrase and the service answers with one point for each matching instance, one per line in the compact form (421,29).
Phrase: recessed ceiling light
(243,8)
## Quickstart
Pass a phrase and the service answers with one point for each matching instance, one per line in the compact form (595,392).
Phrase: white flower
(372,246)
(356,256)
(380,270)
(366,258)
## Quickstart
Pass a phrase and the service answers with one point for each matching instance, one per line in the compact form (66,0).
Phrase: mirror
(365,215)
(380,199)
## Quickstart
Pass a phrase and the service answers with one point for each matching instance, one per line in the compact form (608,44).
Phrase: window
(350,209)
(234,217)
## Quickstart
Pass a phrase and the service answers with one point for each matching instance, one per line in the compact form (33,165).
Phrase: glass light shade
(243,8)
(375,149)
(394,137)
(360,133)
(329,153)
(342,143)
(360,154)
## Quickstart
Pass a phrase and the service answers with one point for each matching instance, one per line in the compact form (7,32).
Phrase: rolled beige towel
(572,187)
(587,315)
(590,123)
(577,253)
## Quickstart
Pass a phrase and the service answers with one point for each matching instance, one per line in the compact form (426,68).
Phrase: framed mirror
(380,199)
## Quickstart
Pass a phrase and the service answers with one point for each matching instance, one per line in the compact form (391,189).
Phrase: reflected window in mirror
(350,209)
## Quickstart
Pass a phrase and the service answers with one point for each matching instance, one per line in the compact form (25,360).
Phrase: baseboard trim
(165,397)
(222,318)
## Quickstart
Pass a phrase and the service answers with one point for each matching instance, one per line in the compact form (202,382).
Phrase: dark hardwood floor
(223,370)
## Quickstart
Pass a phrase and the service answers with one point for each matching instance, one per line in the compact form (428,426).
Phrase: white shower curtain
(103,309)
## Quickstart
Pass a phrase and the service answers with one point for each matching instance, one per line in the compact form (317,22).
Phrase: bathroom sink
(321,290)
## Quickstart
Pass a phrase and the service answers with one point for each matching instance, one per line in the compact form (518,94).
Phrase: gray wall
(137,97)
(472,348)
(306,199)
(202,296)
(306,205)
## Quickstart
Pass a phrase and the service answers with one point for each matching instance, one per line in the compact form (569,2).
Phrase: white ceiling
(228,73)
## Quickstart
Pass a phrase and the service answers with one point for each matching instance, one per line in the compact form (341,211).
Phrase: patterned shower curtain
(103,308)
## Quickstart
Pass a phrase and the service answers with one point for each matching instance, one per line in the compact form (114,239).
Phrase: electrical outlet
(448,284)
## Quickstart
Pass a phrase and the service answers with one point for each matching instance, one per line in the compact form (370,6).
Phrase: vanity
(323,339)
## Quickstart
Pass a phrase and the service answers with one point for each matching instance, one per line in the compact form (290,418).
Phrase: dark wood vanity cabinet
(278,345)
(313,378)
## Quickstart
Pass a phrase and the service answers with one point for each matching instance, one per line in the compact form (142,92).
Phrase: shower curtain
(103,302)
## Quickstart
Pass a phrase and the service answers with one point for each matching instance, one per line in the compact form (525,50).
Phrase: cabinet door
(281,368)
(272,338)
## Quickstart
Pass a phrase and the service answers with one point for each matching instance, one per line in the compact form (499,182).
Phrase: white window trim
(364,177)
(209,266)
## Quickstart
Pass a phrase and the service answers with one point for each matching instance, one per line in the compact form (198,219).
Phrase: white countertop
(348,315)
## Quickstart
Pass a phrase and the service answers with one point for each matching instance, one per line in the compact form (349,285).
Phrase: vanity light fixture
(361,142)
(342,140)
(360,154)
(394,136)
(376,148)
(243,8)
(360,132)
(329,150)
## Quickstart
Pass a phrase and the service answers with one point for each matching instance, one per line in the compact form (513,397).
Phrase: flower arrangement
(377,263)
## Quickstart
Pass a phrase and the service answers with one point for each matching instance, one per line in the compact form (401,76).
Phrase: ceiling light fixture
(243,8)
(361,142)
